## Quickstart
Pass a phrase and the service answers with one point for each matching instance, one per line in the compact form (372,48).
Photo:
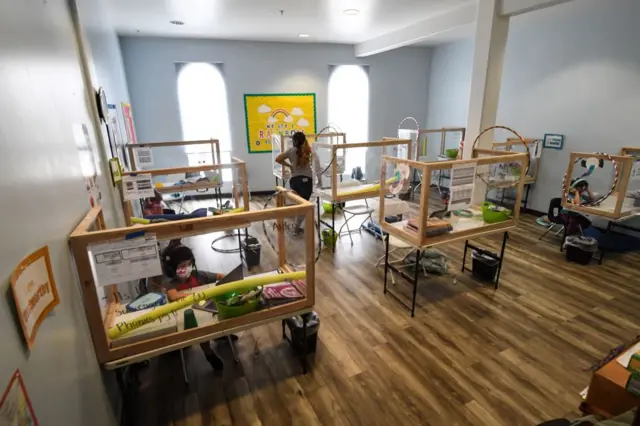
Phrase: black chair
(555,206)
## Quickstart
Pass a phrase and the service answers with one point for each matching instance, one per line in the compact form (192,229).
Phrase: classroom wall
(398,86)
(449,84)
(42,184)
(572,69)
(103,49)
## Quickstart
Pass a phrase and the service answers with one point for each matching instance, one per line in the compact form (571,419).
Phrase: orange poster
(34,291)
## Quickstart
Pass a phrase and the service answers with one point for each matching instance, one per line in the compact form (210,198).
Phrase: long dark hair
(303,150)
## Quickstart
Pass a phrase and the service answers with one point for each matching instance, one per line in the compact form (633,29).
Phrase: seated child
(181,274)
(153,205)
(579,194)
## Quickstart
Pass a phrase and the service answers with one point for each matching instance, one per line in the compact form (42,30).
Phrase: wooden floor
(471,356)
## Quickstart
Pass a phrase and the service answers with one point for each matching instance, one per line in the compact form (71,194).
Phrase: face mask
(184,272)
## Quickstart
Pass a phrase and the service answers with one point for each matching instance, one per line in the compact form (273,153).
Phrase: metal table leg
(415,283)
(386,263)
(504,244)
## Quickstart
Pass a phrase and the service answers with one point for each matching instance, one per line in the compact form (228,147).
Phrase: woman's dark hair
(303,150)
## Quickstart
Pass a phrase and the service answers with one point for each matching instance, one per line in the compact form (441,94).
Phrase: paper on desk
(462,184)
(144,157)
(125,260)
(137,186)
(624,359)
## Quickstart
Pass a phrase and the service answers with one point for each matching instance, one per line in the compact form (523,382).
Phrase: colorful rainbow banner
(278,113)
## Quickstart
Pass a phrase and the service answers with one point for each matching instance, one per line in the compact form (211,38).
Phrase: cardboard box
(607,395)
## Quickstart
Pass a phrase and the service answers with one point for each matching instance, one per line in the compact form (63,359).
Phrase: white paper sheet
(624,359)
(125,260)
(144,157)
(137,186)
(462,185)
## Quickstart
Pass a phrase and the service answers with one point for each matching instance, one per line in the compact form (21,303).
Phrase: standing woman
(299,156)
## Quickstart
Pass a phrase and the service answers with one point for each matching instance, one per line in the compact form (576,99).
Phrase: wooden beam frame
(419,239)
(348,195)
(90,231)
(625,165)
(424,134)
(530,142)
(239,183)
(215,149)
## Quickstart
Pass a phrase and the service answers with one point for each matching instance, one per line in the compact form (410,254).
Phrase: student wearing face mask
(181,274)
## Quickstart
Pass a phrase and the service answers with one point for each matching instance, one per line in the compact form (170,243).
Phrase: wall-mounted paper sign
(34,291)
(137,186)
(125,260)
(144,157)
(15,405)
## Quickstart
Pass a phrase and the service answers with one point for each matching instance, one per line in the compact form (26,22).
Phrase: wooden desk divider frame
(630,151)
(214,143)
(91,230)
(419,241)
(284,139)
(608,209)
(351,194)
(532,176)
(424,134)
(483,157)
(240,190)
(508,147)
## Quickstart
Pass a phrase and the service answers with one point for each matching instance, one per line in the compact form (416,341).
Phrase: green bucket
(226,312)
(491,216)
(329,237)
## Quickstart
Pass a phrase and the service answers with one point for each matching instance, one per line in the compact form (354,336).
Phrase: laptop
(236,274)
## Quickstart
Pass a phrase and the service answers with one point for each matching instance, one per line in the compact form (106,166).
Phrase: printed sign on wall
(268,114)
(34,292)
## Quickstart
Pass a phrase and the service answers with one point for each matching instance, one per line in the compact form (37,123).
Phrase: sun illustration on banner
(268,115)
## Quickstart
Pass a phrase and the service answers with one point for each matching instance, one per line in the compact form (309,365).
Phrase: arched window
(349,109)
(202,96)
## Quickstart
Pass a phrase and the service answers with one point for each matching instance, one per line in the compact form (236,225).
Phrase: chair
(555,206)
(354,211)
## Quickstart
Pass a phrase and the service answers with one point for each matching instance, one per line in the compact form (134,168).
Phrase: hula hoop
(335,129)
(417,128)
(523,144)
(599,201)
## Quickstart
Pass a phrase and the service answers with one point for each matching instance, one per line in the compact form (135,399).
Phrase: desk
(189,189)
(465,228)
(204,318)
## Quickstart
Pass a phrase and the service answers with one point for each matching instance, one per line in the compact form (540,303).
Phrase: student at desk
(181,274)
(579,194)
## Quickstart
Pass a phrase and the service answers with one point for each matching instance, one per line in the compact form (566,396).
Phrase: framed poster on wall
(276,113)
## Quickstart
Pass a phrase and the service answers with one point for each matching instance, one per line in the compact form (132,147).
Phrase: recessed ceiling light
(351,12)
(303,35)
(176,22)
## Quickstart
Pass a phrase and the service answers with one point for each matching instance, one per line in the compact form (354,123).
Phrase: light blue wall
(105,59)
(398,83)
(572,69)
(449,84)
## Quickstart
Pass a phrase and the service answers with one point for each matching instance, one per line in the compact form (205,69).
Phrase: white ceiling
(323,20)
